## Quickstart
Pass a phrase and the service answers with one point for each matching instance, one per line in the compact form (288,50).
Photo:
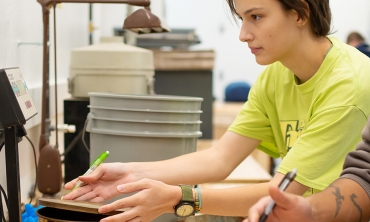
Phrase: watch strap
(187,193)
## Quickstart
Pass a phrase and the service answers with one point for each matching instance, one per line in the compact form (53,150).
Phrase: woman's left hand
(153,198)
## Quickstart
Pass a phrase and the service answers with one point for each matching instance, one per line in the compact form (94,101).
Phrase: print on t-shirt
(291,130)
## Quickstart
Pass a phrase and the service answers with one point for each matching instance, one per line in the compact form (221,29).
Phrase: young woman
(308,107)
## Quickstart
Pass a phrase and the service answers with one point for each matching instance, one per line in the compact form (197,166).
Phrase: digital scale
(16,107)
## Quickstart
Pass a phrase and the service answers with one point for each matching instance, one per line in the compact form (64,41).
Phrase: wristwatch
(186,206)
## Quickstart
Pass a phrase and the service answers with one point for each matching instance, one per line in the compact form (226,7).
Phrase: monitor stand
(12,171)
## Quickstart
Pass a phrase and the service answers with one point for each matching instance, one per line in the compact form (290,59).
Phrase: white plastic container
(111,66)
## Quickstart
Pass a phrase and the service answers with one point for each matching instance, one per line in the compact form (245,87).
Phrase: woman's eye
(256,17)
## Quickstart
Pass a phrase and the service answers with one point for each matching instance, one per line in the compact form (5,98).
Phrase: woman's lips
(255,50)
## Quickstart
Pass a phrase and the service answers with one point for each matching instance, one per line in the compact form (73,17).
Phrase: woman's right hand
(102,183)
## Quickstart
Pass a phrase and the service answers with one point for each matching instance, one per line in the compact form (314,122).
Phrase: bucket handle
(150,86)
(86,125)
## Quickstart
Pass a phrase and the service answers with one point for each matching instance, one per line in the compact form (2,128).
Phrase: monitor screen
(21,92)
(17,105)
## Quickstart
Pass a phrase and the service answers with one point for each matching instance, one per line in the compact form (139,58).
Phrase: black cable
(34,157)
(2,138)
(5,197)
(72,144)
(83,135)
(1,209)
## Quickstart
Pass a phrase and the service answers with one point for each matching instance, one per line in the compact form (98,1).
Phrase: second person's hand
(289,207)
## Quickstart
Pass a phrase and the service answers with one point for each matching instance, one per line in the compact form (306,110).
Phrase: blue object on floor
(29,214)
(237,92)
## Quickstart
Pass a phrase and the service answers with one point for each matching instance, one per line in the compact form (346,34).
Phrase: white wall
(20,37)
(21,33)
(351,16)
(212,21)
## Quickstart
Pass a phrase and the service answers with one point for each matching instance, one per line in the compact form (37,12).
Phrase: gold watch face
(185,210)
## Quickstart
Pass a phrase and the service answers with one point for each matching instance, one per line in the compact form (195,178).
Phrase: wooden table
(248,172)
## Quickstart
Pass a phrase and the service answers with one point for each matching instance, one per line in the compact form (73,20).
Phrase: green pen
(93,166)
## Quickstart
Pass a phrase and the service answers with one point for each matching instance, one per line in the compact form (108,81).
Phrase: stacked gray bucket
(140,128)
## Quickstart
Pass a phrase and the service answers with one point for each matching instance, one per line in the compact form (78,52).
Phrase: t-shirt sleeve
(357,163)
(253,120)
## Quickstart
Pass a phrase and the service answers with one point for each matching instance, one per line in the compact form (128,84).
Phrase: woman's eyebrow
(251,10)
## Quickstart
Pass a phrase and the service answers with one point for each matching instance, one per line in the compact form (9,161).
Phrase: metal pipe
(55,78)
(44,137)
(91,26)
(12,175)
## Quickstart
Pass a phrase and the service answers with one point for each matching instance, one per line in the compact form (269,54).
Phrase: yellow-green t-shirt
(313,125)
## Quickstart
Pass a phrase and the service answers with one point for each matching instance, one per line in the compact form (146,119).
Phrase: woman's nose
(245,35)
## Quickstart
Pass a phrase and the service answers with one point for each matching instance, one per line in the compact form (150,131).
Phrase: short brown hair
(355,36)
(318,12)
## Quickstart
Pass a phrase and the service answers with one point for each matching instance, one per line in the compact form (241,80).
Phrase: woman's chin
(264,61)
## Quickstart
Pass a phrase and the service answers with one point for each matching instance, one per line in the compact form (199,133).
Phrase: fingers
(282,199)
(95,175)
(70,184)
(137,207)
(118,204)
(127,215)
(133,187)
(90,196)
(256,211)
(77,193)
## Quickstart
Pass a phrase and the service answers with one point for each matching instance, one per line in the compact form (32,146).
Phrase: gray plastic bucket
(140,147)
(144,114)
(127,125)
(149,102)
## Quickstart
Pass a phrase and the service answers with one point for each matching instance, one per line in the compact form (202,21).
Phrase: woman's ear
(300,20)
(296,18)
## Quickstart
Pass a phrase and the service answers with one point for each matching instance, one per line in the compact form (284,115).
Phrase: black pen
(289,177)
